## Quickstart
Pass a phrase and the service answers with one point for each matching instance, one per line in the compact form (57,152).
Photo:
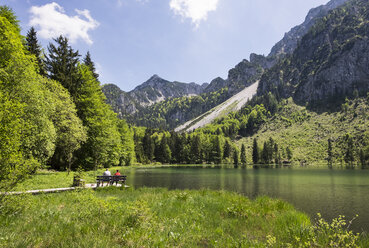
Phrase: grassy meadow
(116,217)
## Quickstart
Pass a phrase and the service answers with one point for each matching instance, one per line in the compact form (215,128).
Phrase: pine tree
(148,146)
(289,153)
(255,152)
(349,155)
(61,65)
(216,154)
(243,155)
(235,157)
(165,154)
(330,154)
(34,48)
(265,153)
(195,150)
(276,154)
(362,158)
(88,61)
(227,150)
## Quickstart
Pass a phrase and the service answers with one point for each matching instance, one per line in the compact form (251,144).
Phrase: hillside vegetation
(307,132)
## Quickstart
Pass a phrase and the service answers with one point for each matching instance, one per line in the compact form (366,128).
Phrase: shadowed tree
(255,151)
(243,155)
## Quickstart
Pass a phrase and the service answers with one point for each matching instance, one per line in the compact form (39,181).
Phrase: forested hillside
(327,77)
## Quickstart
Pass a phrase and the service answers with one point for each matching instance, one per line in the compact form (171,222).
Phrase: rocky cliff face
(290,40)
(157,89)
(150,92)
(331,60)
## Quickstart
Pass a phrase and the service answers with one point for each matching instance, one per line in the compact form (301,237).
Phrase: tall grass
(113,217)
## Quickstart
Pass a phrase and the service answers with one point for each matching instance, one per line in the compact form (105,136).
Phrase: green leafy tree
(8,13)
(127,141)
(69,128)
(103,145)
(28,133)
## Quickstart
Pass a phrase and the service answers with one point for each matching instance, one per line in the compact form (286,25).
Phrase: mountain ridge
(242,75)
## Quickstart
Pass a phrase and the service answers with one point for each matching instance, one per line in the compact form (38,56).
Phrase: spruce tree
(330,153)
(276,154)
(289,153)
(349,154)
(243,155)
(235,157)
(61,65)
(216,154)
(148,146)
(88,61)
(265,153)
(34,48)
(227,150)
(255,152)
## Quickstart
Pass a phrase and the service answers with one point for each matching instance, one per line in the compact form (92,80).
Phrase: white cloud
(51,21)
(196,10)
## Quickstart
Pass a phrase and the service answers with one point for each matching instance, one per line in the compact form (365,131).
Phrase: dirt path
(234,103)
(56,190)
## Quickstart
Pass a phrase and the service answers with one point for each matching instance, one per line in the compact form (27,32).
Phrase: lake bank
(148,217)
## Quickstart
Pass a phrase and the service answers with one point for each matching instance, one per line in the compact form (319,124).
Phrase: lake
(329,192)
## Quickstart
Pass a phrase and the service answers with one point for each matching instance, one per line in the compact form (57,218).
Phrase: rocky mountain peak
(290,40)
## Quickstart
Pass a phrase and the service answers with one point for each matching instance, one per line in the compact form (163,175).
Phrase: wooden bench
(111,180)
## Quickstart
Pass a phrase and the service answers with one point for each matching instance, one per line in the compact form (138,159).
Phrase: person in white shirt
(106,173)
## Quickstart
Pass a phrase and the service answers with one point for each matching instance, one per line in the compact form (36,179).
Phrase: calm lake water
(329,192)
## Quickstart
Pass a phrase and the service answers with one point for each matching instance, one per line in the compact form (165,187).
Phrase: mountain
(153,91)
(290,40)
(157,89)
(330,62)
(159,95)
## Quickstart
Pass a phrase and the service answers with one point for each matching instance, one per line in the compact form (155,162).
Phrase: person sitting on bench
(106,173)
(117,174)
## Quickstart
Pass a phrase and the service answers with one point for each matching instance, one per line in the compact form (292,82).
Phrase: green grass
(307,135)
(112,217)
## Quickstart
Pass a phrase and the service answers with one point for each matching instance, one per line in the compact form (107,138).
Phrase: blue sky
(182,40)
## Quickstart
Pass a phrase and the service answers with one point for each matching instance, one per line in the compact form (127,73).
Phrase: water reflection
(329,192)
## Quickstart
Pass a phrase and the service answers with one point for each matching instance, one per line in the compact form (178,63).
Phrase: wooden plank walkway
(57,190)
